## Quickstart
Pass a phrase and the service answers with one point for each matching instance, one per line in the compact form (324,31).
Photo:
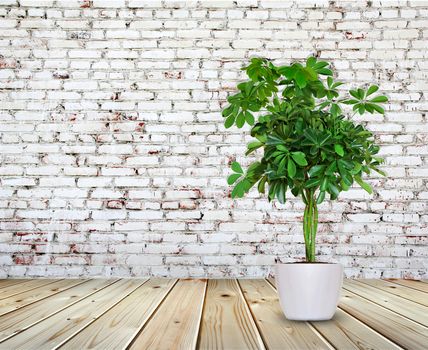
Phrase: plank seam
(387,291)
(252,317)
(380,305)
(373,329)
(54,313)
(324,339)
(96,318)
(399,284)
(139,330)
(30,289)
(12,284)
(47,296)
(198,339)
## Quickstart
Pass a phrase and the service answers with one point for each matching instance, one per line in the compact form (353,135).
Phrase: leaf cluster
(309,145)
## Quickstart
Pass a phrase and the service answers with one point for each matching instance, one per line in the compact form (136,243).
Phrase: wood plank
(15,289)
(227,322)
(23,299)
(25,317)
(346,332)
(406,308)
(54,330)
(117,327)
(423,287)
(402,331)
(399,290)
(175,324)
(10,282)
(276,331)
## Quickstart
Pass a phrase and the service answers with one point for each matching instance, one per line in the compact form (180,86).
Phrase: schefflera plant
(309,146)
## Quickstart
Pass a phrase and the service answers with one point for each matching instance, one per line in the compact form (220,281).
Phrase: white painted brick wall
(114,157)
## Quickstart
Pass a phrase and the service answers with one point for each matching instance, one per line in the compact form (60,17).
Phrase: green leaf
(281,165)
(316,170)
(325,71)
(262,184)
(311,136)
(249,118)
(324,138)
(299,158)
(378,109)
(324,184)
(354,93)
(346,178)
(291,168)
(240,120)
(236,167)
(320,197)
(379,99)
(350,102)
(272,190)
(335,109)
(339,150)
(333,189)
(227,111)
(252,146)
(320,64)
(230,120)
(232,178)
(238,191)
(300,79)
(331,168)
(311,61)
(312,182)
(287,71)
(281,190)
(372,89)
(363,184)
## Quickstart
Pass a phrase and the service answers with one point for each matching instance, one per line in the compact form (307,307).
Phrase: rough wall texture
(114,157)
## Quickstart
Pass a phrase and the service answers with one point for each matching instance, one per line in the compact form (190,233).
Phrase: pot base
(309,291)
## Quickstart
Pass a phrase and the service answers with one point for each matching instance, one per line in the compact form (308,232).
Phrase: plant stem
(310,226)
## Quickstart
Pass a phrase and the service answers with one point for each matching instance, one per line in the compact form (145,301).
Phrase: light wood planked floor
(204,314)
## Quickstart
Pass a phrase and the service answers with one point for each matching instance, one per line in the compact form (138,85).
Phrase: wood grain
(404,307)
(219,314)
(21,319)
(117,327)
(346,332)
(23,299)
(399,290)
(22,287)
(175,324)
(423,287)
(276,330)
(11,282)
(402,331)
(54,330)
(227,322)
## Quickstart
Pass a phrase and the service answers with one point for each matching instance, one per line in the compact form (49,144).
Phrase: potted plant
(310,148)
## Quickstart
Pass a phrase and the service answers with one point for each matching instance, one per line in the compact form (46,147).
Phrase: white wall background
(114,156)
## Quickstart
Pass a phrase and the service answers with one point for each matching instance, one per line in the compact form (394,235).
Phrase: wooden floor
(213,314)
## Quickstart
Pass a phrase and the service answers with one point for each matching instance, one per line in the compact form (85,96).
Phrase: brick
(112,139)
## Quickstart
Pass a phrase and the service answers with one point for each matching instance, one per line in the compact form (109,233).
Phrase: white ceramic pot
(309,291)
